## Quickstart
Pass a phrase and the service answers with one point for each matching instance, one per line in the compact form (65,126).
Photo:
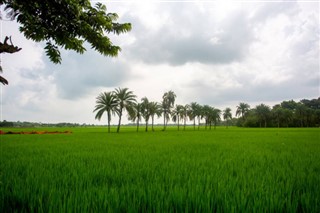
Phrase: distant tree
(155,110)
(288,116)
(291,105)
(194,110)
(125,100)
(184,115)
(106,102)
(63,24)
(206,112)
(168,100)
(300,113)
(176,114)
(242,110)
(227,115)
(278,113)
(145,109)
(262,112)
(215,117)
(135,113)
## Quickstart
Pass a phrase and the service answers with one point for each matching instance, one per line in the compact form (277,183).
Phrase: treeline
(26,124)
(305,113)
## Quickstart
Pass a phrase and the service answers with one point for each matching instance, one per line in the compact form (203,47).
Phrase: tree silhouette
(106,102)
(125,99)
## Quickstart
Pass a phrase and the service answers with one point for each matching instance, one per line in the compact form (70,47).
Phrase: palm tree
(193,113)
(216,113)
(184,115)
(168,100)
(242,110)
(145,104)
(106,102)
(176,114)
(154,109)
(125,99)
(199,114)
(205,113)
(227,115)
(135,113)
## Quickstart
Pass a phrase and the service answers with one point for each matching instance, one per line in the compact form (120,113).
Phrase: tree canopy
(63,24)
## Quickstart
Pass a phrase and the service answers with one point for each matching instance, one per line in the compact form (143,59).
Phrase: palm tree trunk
(184,127)
(120,115)
(152,123)
(138,125)
(164,121)
(194,123)
(109,120)
(146,126)
(178,123)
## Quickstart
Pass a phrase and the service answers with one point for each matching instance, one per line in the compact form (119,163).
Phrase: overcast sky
(218,53)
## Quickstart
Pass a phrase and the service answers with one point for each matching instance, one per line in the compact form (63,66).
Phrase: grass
(222,170)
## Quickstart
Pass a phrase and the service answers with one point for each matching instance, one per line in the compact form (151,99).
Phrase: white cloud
(218,53)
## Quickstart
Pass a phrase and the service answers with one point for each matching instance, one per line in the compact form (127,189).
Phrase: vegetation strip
(34,132)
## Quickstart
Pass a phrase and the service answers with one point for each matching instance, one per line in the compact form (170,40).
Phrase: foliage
(66,24)
(305,113)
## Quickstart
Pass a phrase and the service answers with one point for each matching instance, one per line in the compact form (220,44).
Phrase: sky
(218,53)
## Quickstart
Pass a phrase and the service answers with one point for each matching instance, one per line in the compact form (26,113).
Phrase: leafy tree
(63,24)
(291,105)
(227,115)
(106,102)
(168,100)
(125,99)
(262,112)
(300,112)
(288,116)
(278,113)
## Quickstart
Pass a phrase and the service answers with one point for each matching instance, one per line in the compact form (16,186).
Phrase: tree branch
(3,80)
(8,48)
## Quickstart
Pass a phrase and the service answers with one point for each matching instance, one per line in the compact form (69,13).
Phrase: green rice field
(222,170)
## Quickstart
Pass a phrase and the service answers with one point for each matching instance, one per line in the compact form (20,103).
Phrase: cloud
(216,53)
(192,36)
(80,73)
